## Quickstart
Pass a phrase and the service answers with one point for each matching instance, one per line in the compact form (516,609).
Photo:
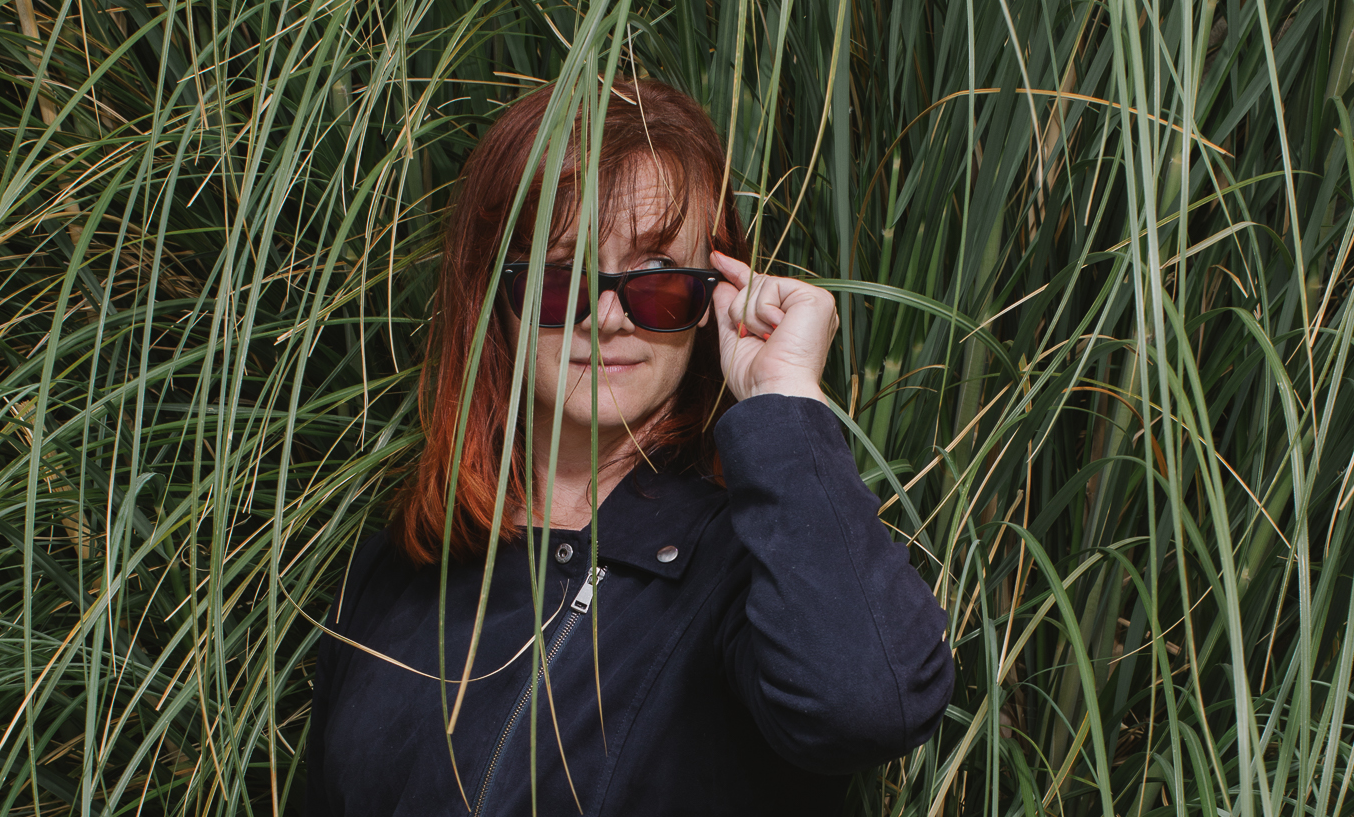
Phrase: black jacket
(754,645)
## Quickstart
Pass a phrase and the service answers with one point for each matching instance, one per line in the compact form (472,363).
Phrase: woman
(758,635)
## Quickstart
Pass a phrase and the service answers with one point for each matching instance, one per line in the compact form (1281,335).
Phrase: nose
(611,317)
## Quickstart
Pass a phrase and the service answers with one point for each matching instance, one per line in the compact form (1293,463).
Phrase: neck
(572,493)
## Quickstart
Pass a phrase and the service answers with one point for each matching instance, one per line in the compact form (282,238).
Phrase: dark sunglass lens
(555,296)
(665,300)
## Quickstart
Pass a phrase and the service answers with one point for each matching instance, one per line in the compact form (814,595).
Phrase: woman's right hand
(774,333)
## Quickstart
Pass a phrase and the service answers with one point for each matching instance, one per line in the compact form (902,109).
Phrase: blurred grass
(1093,264)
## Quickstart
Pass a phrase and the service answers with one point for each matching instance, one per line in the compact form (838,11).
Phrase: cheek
(548,346)
(676,358)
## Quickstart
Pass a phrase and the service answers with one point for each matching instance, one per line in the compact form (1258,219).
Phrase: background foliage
(1093,265)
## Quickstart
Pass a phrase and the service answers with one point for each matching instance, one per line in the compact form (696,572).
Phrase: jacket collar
(652,521)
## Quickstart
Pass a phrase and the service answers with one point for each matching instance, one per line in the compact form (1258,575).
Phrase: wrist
(788,388)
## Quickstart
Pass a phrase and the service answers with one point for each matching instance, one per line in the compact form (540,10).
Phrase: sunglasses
(664,299)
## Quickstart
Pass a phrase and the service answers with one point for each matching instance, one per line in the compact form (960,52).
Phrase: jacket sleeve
(839,652)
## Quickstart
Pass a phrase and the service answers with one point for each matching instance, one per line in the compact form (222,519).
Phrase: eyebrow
(662,237)
(563,246)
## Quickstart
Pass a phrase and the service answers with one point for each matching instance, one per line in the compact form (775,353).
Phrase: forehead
(655,203)
(646,200)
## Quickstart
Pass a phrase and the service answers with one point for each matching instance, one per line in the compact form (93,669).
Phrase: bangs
(685,194)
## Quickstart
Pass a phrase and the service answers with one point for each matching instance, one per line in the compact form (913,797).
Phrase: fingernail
(742,331)
(767,336)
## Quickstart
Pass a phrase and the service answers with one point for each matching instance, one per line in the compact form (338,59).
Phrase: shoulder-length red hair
(646,121)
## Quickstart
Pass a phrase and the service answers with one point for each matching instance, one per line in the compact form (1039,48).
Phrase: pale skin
(786,328)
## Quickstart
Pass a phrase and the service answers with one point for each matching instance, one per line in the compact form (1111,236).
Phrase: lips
(609,366)
(607,362)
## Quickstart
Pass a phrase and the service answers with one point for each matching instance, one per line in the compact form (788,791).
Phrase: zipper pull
(583,600)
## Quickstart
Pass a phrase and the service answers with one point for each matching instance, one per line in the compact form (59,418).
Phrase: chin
(615,421)
(611,418)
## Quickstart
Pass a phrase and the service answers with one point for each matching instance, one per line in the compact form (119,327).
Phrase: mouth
(608,365)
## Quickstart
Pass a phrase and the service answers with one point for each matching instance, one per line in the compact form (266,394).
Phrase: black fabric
(788,643)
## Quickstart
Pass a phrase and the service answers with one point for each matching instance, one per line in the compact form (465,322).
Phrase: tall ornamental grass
(1093,265)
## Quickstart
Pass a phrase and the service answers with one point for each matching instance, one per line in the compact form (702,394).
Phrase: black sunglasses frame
(615,282)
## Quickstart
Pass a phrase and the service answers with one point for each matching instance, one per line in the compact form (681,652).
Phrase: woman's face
(638,370)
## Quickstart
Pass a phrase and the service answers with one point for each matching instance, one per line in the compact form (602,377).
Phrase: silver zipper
(581,604)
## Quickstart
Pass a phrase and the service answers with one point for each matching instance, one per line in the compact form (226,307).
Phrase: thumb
(725,293)
(737,273)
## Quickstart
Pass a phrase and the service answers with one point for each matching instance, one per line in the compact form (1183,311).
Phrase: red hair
(645,121)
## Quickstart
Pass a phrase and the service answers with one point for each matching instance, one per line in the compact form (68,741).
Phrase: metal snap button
(564,553)
(667,554)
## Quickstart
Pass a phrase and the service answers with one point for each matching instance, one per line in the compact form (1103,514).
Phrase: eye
(657,262)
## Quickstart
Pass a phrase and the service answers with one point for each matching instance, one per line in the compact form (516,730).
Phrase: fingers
(761,303)
(761,318)
(753,302)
